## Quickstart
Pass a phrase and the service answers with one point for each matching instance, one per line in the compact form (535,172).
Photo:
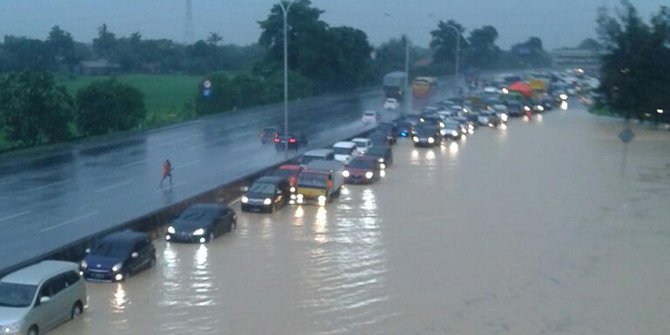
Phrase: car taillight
(291,140)
(276,139)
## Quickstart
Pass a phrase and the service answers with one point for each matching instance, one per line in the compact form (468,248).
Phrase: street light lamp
(285,7)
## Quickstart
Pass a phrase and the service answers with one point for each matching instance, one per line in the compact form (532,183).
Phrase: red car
(362,170)
(289,172)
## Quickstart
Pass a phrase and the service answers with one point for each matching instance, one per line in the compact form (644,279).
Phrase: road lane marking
(127,165)
(124,183)
(39,188)
(16,215)
(69,222)
(188,164)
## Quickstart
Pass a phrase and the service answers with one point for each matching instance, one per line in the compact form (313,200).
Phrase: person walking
(167,172)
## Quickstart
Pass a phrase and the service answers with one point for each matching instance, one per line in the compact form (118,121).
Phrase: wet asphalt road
(50,200)
(526,230)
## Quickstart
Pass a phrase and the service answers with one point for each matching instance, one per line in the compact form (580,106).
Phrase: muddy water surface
(533,229)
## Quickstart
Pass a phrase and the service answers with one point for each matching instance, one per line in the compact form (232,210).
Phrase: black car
(515,109)
(426,135)
(454,130)
(379,138)
(389,129)
(268,134)
(118,255)
(267,194)
(202,223)
(383,153)
(432,119)
(292,141)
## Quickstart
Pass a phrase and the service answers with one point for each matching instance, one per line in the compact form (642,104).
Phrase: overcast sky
(558,23)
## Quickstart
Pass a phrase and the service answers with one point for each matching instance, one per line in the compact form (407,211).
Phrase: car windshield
(312,179)
(16,295)
(361,144)
(262,188)
(113,249)
(342,151)
(362,164)
(197,214)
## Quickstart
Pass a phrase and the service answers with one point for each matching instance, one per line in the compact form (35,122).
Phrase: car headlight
(526,108)
(322,200)
(171,230)
(441,124)
(443,132)
(564,96)
(117,267)
(454,133)
(199,232)
(267,201)
(430,140)
(415,138)
(369,175)
(245,199)
(540,108)
(12,328)
(380,160)
(346,173)
(504,117)
(382,166)
(292,189)
(83,264)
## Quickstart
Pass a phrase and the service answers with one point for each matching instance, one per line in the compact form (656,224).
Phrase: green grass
(168,98)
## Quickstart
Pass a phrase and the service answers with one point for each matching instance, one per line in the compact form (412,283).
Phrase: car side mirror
(134,255)
(44,299)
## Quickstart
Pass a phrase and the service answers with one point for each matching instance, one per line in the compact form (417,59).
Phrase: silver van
(316,155)
(40,297)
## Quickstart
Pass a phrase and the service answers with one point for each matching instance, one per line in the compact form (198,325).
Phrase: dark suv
(291,140)
(118,255)
(267,194)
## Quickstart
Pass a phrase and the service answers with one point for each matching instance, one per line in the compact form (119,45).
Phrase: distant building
(98,67)
(576,58)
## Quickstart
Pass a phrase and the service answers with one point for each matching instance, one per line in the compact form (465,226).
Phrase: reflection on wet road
(526,230)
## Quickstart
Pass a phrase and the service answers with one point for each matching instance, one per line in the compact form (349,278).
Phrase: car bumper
(183,237)
(256,208)
(99,275)
(358,180)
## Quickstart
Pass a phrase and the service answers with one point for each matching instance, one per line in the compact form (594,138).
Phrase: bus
(423,91)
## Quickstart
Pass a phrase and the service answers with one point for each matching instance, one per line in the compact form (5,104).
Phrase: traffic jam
(316,178)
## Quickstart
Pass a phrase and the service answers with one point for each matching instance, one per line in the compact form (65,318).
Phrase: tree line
(321,58)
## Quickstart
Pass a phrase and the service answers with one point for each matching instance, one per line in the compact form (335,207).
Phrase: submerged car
(118,255)
(362,170)
(426,135)
(202,223)
(267,194)
(383,153)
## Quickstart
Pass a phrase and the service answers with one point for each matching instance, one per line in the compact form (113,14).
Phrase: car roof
(37,273)
(344,144)
(289,167)
(269,180)
(318,152)
(360,139)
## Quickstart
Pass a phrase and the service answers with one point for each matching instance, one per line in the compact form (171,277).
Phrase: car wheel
(33,331)
(76,310)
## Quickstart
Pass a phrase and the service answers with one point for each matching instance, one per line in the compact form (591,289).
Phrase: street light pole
(405,109)
(458,53)
(285,9)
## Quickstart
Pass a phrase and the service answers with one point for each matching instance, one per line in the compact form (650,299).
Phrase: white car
(370,117)
(345,151)
(362,144)
(391,104)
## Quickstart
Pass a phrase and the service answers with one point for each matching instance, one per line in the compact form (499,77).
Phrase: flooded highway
(533,229)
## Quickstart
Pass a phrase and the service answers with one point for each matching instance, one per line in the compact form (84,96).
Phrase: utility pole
(285,9)
(189,31)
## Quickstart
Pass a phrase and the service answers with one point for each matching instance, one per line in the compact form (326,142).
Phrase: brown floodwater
(533,229)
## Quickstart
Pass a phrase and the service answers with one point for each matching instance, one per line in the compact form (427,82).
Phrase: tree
(104,44)
(33,110)
(636,65)
(482,51)
(590,44)
(24,54)
(214,39)
(444,41)
(530,53)
(61,48)
(107,106)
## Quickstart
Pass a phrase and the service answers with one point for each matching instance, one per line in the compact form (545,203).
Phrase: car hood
(101,262)
(9,315)
(256,195)
(189,226)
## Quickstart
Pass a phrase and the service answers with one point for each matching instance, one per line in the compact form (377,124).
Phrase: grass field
(168,98)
